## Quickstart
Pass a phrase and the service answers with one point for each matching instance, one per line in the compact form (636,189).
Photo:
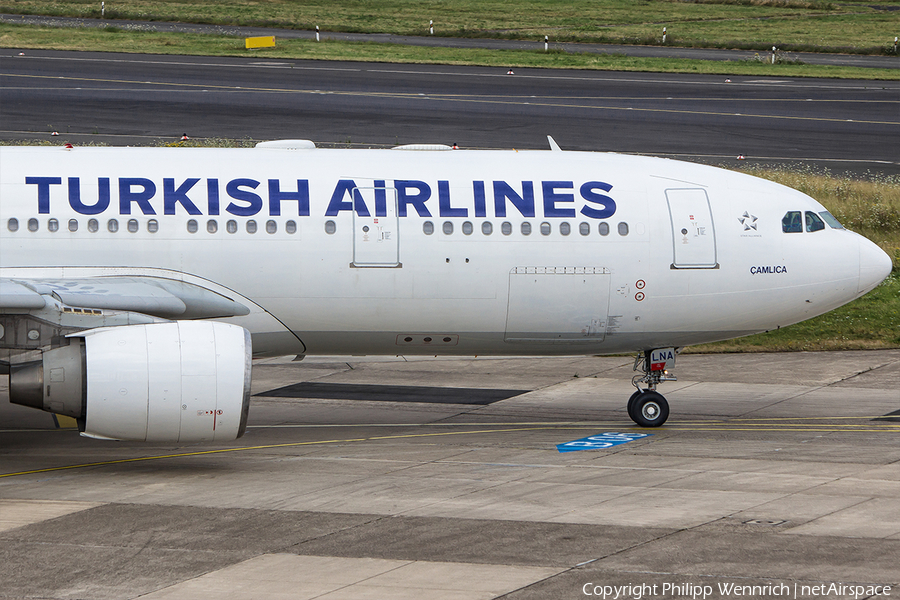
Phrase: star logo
(748,221)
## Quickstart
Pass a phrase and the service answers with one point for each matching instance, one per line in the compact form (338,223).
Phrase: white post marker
(431,26)
(895,44)
(773,55)
(546,43)
(103,11)
(664,35)
(317,33)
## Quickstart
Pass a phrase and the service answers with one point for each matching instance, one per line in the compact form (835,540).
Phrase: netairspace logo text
(728,590)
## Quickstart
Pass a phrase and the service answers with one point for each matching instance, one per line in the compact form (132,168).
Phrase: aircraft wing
(156,297)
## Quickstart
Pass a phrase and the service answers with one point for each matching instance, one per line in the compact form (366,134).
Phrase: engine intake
(184,381)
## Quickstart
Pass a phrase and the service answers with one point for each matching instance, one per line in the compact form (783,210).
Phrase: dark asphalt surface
(137,99)
(851,60)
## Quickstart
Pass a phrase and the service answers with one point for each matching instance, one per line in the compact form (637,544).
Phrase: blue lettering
(254,202)
(418,200)
(142,197)
(480,206)
(444,202)
(551,197)
(380,199)
(173,196)
(524,203)
(89,209)
(301,196)
(43,184)
(588,193)
(212,195)
(337,204)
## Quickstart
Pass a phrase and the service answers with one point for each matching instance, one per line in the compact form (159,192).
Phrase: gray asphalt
(850,60)
(138,99)
(773,469)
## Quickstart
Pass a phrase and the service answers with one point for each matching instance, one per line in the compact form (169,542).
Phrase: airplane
(137,284)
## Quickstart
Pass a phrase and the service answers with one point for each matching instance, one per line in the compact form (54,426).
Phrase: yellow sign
(259,42)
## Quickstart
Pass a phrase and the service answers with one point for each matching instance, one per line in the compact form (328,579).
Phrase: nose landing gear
(647,407)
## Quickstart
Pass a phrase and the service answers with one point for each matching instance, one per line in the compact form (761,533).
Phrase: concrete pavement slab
(295,577)
(715,496)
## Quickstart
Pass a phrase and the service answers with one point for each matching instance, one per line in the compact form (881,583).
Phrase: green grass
(859,25)
(121,40)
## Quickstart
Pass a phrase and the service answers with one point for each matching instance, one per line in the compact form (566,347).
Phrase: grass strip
(759,24)
(113,39)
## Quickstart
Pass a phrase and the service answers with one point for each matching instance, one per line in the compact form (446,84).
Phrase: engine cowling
(183,381)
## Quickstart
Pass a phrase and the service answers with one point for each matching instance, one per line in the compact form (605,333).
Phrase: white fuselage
(432,253)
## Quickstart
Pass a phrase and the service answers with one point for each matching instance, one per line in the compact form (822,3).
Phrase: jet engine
(180,381)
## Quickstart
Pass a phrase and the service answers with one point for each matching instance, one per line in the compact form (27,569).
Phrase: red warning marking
(640,284)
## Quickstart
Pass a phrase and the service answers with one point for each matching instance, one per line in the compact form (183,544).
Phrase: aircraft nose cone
(874,265)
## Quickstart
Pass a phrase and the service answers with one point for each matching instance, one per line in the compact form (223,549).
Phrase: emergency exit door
(376,227)
(693,230)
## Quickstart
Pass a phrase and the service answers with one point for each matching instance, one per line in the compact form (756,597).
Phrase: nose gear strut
(647,407)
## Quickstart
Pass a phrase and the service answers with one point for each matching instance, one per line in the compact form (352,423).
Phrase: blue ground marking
(600,441)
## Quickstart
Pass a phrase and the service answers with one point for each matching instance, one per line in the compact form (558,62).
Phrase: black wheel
(630,404)
(649,409)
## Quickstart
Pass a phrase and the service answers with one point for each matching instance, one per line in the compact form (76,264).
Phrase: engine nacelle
(184,381)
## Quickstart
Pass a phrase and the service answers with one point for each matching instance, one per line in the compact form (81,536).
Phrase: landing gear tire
(648,409)
(630,405)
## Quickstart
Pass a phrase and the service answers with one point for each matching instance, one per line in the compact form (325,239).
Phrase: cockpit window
(829,218)
(792,223)
(813,222)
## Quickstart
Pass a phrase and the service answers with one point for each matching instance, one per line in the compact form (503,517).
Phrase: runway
(139,99)
(780,471)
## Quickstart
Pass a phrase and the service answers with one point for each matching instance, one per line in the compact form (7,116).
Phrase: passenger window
(73,225)
(813,222)
(251,226)
(271,227)
(603,229)
(192,226)
(565,228)
(33,225)
(584,228)
(113,225)
(330,227)
(448,228)
(291,227)
(487,228)
(132,225)
(506,228)
(526,228)
(93,225)
(791,222)
(12,224)
(623,228)
(545,228)
(231,226)
(467,228)
(212,226)
(427,227)
(152,225)
(52,225)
